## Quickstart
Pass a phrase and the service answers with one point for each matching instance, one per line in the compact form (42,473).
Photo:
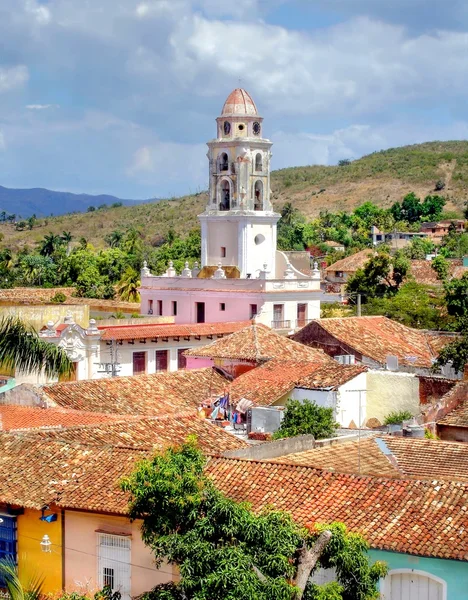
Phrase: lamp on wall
(46,544)
(47,518)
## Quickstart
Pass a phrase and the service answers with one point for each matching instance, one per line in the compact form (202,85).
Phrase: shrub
(306,417)
(59,298)
(440,185)
(397,417)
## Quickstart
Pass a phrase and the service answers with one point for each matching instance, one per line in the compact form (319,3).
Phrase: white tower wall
(239,225)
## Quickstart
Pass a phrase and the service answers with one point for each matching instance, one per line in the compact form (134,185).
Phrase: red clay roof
(158,394)
(130,332)
(425,518)
(258,343)
(422,271)
(26,417)
(352,263)
(416,517)
(459,416)
(239,102)
(378,337)
(268,383)
(151,433)
(409,458)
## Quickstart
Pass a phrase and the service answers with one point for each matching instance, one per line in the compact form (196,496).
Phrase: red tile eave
(158,330)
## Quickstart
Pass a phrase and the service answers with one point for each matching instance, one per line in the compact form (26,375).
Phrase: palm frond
(16,590)
(21,349)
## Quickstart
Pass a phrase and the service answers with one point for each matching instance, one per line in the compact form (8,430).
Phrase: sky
(121,96)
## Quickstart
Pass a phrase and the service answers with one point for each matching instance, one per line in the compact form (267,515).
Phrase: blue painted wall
(453,572)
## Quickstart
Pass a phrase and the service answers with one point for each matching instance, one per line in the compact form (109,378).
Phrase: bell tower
(239,226)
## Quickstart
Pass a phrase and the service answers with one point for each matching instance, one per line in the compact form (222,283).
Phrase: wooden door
(414,586)
(301,315)
(181,360)
(139,363)
(161,360)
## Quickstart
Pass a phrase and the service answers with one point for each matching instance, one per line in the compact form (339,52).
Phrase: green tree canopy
(307,418)
(226,551)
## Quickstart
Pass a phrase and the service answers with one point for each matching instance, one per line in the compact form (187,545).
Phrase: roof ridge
(319,470)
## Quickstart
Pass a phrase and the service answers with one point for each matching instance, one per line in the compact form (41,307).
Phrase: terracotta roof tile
(270,382)
(410,458)
(415,517)
(158,330)
(158,394)
(459,416)
(26,417)
(351,263)
(144,433)
(425,518)
(378,337)
(258,343)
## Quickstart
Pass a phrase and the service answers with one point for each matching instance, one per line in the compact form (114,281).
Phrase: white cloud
(41,106)
(13,77)
(164,163)
(39,12)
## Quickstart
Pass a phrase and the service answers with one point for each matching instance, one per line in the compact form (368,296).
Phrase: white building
(242,273)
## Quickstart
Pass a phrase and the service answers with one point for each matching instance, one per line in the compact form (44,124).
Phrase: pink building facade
(106,549)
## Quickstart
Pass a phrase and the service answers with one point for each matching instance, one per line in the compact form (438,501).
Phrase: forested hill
(382,177)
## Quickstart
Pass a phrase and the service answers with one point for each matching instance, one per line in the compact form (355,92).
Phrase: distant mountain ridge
(43,203)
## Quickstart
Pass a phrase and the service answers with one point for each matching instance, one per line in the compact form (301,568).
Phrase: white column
(204,243)
(173,362)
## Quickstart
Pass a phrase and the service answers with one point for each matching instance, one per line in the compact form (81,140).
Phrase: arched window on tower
(258,195)
(224,162)
(225,203)
(258,162)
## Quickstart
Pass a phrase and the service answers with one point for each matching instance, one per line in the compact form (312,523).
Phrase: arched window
(258,195)
(258,162)
(225,201)
(223,162)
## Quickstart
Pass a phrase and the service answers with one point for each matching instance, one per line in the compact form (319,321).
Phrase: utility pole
(359,305)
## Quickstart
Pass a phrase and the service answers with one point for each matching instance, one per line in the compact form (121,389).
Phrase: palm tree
(21,349)
(287,213)
(49,244)
(127,287)
(66,239)
(16,590)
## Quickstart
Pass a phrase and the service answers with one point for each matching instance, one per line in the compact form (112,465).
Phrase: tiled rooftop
(25,417)
(271,381)
(258,343)
(145,433)
(423,272)
(459,416)
(131,332)
(415,517)
(158,394)
(351,263)
(378,337)
(410,458)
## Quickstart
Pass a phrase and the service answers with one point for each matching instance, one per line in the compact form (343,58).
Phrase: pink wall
(237,305)
(198,363)
(81,552)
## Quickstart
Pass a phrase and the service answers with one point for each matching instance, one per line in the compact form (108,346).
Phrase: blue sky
(120,96)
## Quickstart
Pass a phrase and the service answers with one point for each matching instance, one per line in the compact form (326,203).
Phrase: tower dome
(239,102)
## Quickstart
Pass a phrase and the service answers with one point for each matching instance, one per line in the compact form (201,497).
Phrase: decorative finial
(145,271)
(289,273)
(219,273)
(186,271)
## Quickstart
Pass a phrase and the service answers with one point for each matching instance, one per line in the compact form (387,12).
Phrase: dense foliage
(306,417)
(61,261)
(225,551)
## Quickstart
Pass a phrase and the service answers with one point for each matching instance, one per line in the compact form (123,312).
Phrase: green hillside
(382,177)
